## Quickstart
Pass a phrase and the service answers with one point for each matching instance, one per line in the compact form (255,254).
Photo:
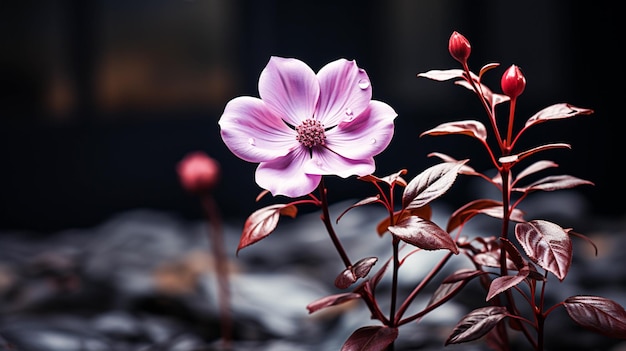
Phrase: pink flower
(198,173)
(306,125)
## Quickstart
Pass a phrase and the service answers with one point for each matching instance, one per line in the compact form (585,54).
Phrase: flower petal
(289,87)
(366,136)
(253,133)
(345,92)
(326,162)
(286,176)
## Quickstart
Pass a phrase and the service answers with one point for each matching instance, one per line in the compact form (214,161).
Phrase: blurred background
(102,249)
(100,99)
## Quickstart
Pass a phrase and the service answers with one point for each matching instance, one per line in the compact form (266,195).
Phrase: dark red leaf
(546,244)
(481,206)
(425,212)
(366,201)
(598,314)
(556,111)
(471,128)
(331,300)
(370,338)
(345,279)
(262,223)
(462,274)
(506,282)
(392,179)
(362,268)
(476,324)
(430,184)
(424,234)
(552,183)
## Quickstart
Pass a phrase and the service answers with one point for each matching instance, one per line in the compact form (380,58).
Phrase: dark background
(100,99)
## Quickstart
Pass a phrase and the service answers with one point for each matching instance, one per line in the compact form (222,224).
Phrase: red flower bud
(459,47)
(198,173)
(513,82)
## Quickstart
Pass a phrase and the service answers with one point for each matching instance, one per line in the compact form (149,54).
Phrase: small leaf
(345,279)
(552,183)
(476,324)
(425,212)
(481,206)
(370,338)
(471,128)
(442,75)
(546,244)
(598,314)
(362,268)
(366,201)
(351,274)
(464,170)
(331,300)
(556,111)
(523,155)
(534,168)
(424,234)
(430,184)
(504,283)
(262,223)
(390,179)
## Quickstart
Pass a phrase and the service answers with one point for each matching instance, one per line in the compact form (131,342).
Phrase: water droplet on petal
(319,163)
(364,84)
(349,114)
(251,141)
(373,141)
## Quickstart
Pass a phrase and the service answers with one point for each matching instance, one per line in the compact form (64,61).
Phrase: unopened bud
(198,173)
(513,82)
(459,47)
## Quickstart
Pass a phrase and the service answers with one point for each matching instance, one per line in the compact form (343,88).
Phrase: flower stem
(221,265)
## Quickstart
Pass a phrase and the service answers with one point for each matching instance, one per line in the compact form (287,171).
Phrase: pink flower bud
(513,82)
(198,173)
(459,47)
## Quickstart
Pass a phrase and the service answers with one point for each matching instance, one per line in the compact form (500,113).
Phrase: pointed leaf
(552,183)
(370,338)
(546,244)
(492,98)
(481,206)
(476,324)
(425,212)
(464,170)
(523,155)
(430,184)
(366,201)
(345,279)
(442,75)
(504,283)
(423,234)
(262,223)
(331,300)
(598,314)
(390,179)
(557,111)
(534,168)
(362,268)
(471,128)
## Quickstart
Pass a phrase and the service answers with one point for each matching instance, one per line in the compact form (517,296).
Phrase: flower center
(311,133)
